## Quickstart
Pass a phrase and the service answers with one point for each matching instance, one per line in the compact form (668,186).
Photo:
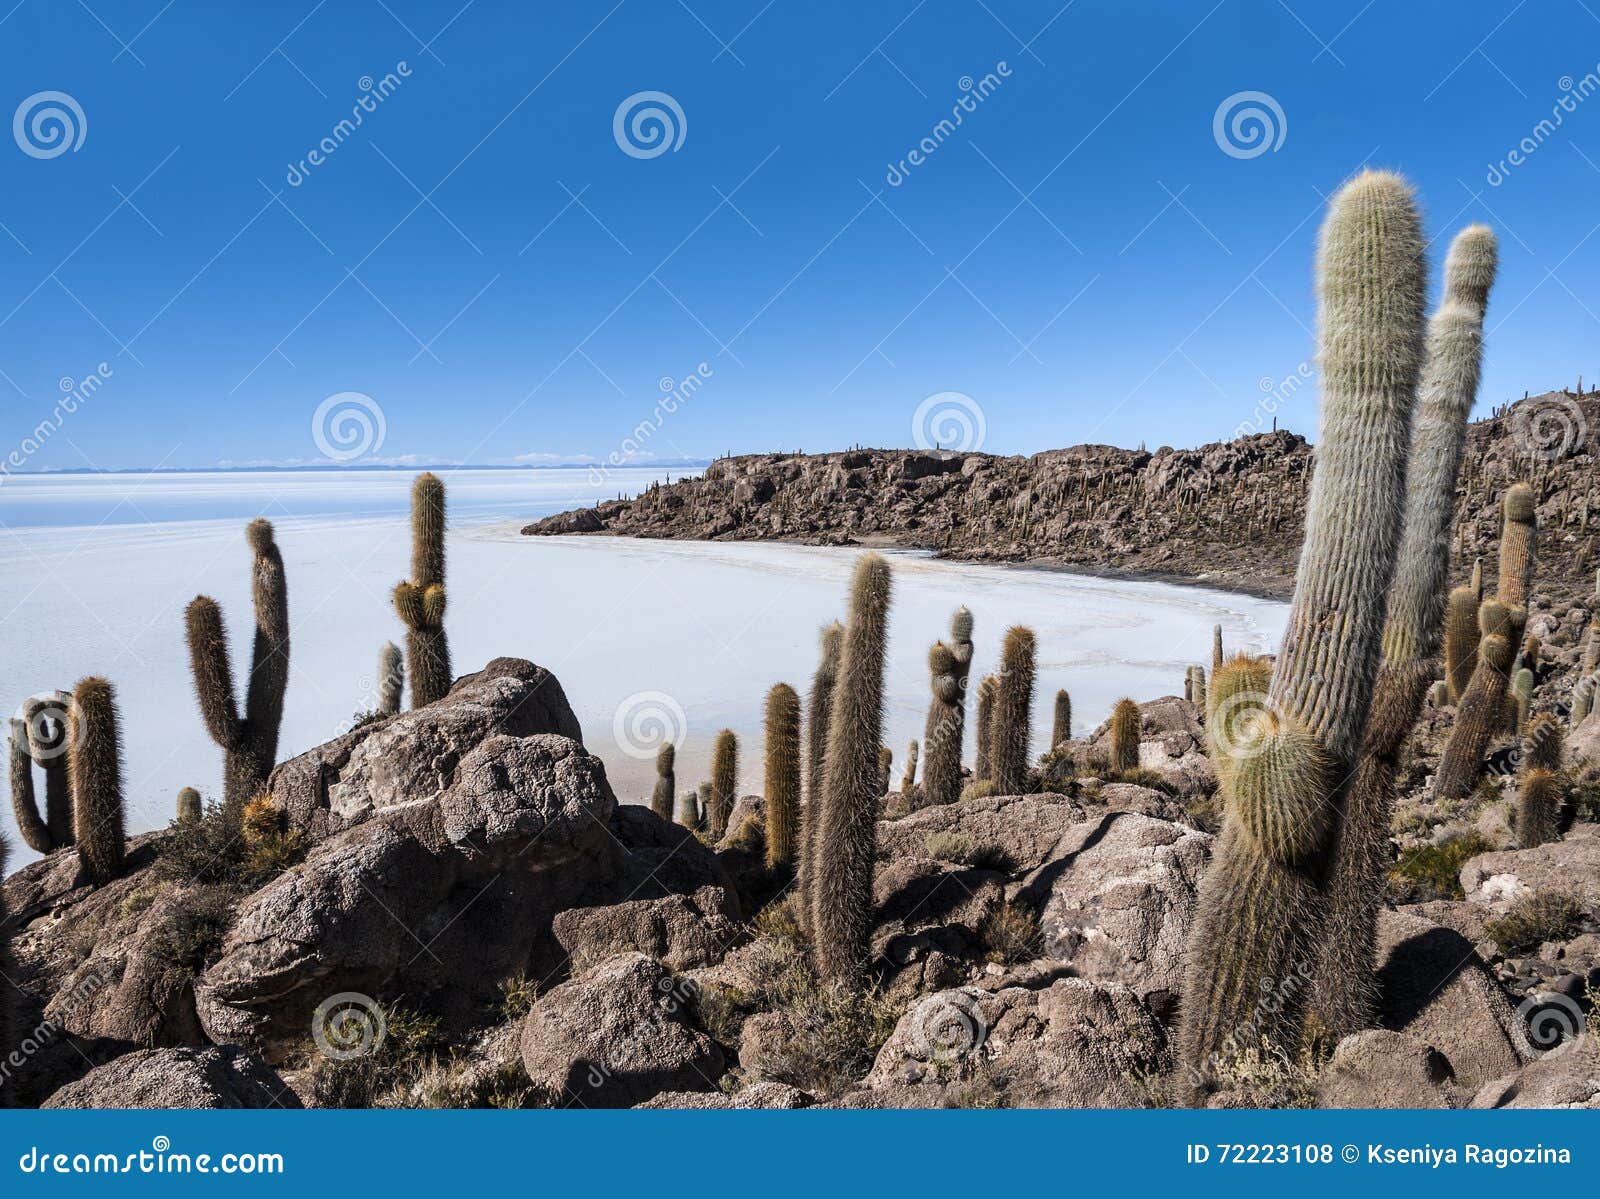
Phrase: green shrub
(948,846)
(1433,871)
(198,924)
(1535,919)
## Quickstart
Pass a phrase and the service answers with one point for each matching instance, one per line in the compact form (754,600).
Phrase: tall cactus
(420,601)
(1481,712)
(1061,723)
(1216,647)
(841,918)
(782,773)
(1013,712)
(819,707)
(664,792)
(1200,687)
(31,827)
(391,678)
(1345,994)
(947,711)
(94,762)
(983,766)
(1261,908)
(724,782)
(1589,677)
(1521,698)
(1124,735)
(1518,531)
(249,743)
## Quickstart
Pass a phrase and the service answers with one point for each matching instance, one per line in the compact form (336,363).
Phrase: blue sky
(481,257)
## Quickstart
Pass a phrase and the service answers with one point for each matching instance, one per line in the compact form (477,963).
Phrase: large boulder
(414,756)
(684,931)
(1117,900)
(212,1077)
(1172,742)
(1021,831)
(1567,1077)
(757,1096)
(1073,1043)
(1434,987)
(616,1037)
(1382,1068)
(1570,865)
(438,901)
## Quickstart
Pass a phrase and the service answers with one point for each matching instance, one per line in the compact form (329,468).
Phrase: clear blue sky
(483,260)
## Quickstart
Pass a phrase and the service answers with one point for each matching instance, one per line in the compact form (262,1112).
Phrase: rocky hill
(1227,514)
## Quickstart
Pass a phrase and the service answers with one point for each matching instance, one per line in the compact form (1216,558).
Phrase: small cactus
(782,773)
(1539,795)
(1124,732)
(391,678)
(1199,685)
(1439,694)
(841,918)
(1061,725)
(663,795)
(1013,712)
(94,764)
(908,778)
(1522,697)
(189,808)
(420,601)
(249,743)
(885,768)
(45,720)
(702,808)
(943,732)
(688,814)
(724,782)
(1216,647)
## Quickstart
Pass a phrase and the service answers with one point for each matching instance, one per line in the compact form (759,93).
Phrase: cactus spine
(1261,906)
(724,782)
(664,793)
(249,743)
(391,678)
(782,773)
(947,710)
(1061,725)
(818,710)
(1013,712)
(983,767)
(841,917)
(420,601)
(31,827)
(94,763)
(1124,734)
(189,804)
(1481,712)
(1345,993)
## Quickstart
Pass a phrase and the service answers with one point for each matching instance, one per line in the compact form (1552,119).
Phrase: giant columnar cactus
(1216,647)
(1013,712)
(1261,909)
(1460,641)
(983,766)
(724,782)
(819,707)
(782,773)
(1517,532)
(1345,995)
(1061,725)
(1200,687)
(661,798)
(1481,712)
(947,711)
(249,743)
(94,763)
(1522,698)
(391,678)
(31,827)
(1124,734)
(44,718)
(841,917)
(420,601)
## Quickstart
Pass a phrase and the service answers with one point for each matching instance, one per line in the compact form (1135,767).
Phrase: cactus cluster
(1262,907)
(249,742)
(420,600)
